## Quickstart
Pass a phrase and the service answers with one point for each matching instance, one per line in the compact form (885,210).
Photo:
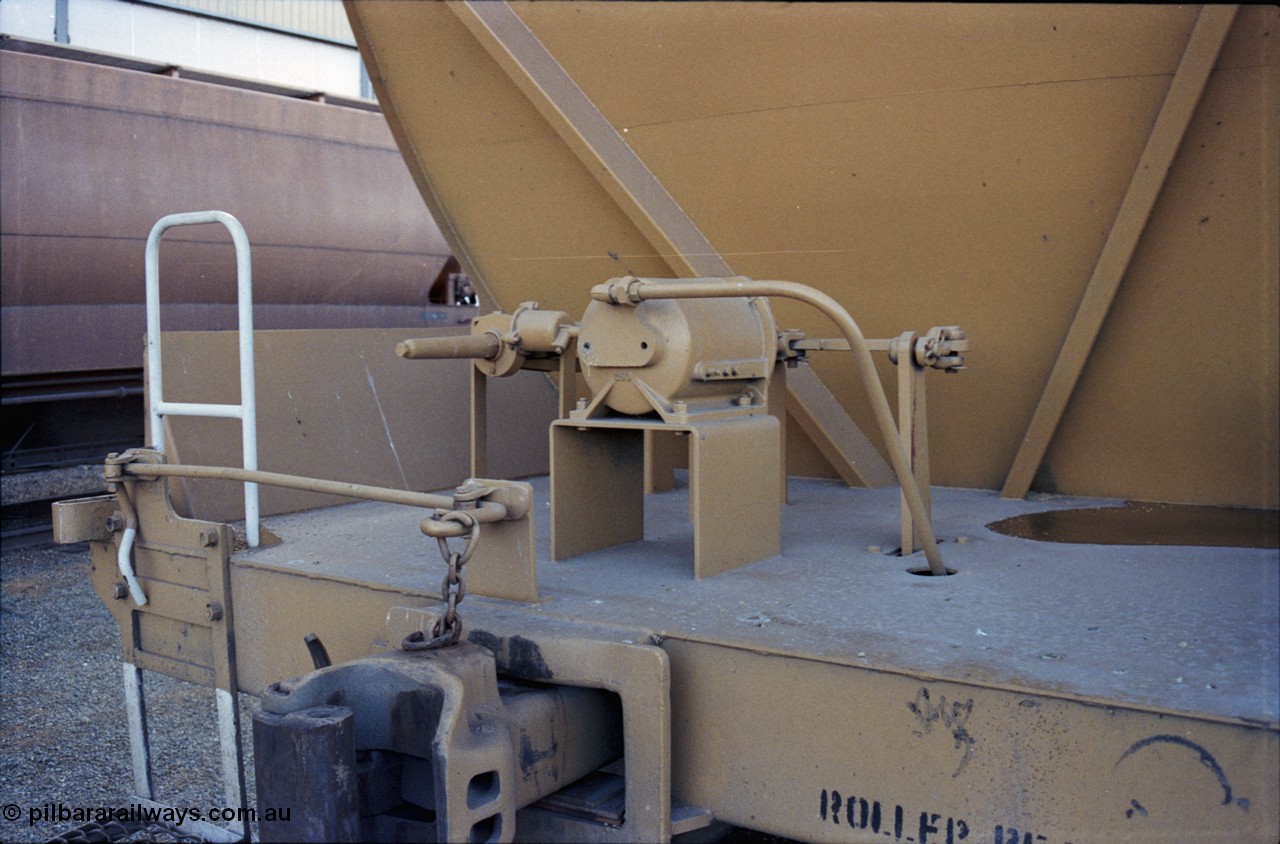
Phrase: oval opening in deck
(1145,523)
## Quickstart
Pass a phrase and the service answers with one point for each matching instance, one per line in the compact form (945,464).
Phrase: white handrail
(246,410)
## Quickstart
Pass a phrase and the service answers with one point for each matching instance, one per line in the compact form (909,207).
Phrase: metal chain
(448,629)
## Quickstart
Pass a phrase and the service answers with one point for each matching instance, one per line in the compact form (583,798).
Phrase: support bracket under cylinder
(185,628)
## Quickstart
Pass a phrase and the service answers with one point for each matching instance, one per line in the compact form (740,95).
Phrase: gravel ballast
(72,481)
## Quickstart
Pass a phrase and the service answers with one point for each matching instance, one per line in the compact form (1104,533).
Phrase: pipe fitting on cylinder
(618,291)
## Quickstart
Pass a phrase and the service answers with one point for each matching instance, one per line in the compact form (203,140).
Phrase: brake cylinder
(704,353)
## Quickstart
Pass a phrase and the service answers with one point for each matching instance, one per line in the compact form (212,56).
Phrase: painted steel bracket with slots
(185,629)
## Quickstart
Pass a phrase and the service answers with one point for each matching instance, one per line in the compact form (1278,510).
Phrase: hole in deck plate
(1144,523)
(482,789)
(924,571)
(489,829)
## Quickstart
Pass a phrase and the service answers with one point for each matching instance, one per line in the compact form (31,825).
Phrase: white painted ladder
(229,733)
(246,410)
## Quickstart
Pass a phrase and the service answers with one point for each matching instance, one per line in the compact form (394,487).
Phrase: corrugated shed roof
(323,19)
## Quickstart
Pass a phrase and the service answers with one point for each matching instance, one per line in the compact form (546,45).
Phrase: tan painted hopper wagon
(710,560)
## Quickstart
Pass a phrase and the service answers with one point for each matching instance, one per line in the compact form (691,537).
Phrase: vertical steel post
(61,31)
(479,423)
(913,428)
(135,704)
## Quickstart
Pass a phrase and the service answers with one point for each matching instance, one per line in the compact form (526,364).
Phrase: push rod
(632,291)
(484,346)
(484,512)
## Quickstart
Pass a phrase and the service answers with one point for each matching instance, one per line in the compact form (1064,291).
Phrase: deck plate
(1167,629)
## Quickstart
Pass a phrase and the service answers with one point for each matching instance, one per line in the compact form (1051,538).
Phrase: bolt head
(214,610)
(119,591)
(115,523)
(208,537)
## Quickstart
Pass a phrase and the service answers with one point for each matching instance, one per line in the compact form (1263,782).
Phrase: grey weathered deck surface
(1191,630)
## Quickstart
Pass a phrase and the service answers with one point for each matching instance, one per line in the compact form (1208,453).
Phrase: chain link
(448,629)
